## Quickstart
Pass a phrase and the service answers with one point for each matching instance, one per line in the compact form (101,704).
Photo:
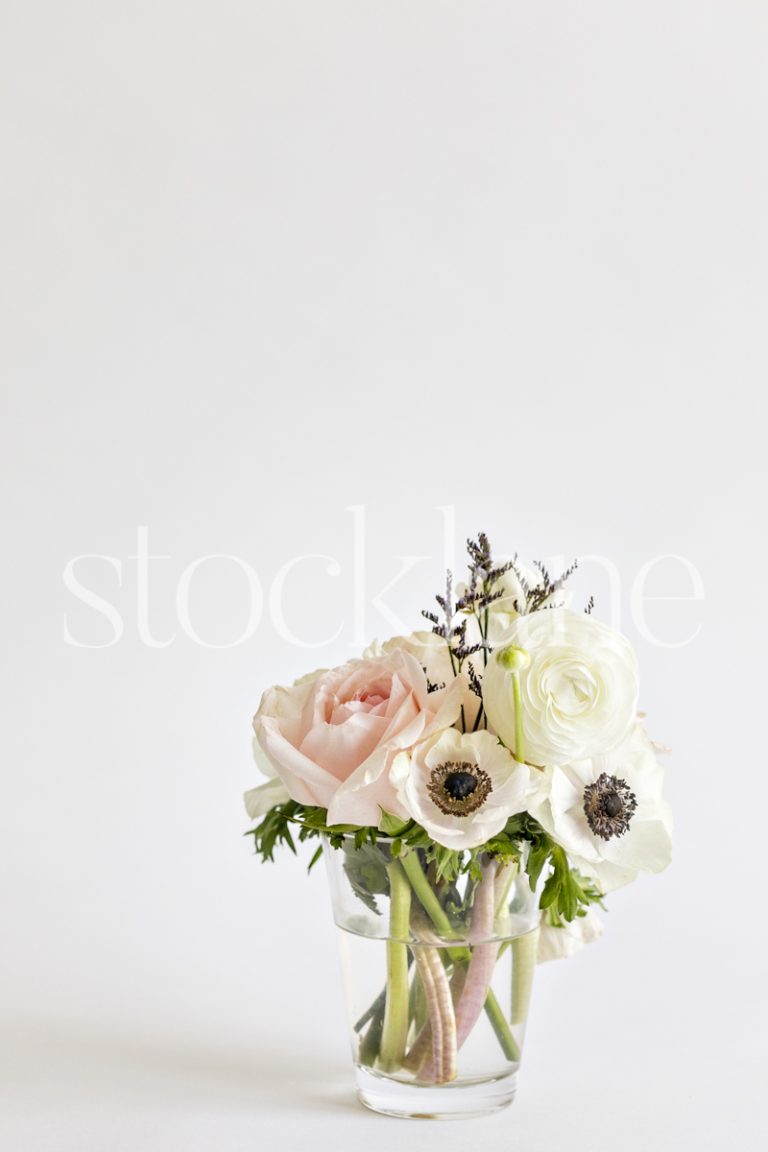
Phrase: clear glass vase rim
(381,838)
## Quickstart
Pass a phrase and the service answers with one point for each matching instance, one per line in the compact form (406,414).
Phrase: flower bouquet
(476,790)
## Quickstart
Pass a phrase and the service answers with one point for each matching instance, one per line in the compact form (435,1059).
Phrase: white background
(266,261)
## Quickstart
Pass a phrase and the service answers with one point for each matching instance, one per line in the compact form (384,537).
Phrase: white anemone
(462,787)
(608,812)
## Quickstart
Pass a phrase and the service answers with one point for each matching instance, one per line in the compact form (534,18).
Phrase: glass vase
(437,975)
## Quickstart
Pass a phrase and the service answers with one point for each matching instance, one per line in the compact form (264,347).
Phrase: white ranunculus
(462,787)
(560,943)
(608,812)
(578,693)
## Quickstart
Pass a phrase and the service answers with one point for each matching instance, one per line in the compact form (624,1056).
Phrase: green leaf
(366,871)
(392,825)
(550,894)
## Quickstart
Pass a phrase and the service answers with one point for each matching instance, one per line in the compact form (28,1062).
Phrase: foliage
(565,893)
(366,872)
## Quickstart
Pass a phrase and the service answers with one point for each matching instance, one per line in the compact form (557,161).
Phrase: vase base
(459,1100)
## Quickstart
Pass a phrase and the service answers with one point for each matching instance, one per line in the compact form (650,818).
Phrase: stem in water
(395,1030)
(483,956)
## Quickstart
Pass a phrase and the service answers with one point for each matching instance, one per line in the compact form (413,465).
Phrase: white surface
(263,262)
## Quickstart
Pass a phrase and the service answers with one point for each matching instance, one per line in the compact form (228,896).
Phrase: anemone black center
(459,785)
(611,804)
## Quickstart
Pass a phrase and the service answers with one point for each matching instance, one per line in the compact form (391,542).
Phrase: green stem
(377,1007)
(524,950)
(484,634)
(371,1041)
(427,897)
(509,1045)
(502,910)
(426,893)
(395,1030)
(518,706)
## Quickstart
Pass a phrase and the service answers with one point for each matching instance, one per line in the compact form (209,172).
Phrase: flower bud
(513,659)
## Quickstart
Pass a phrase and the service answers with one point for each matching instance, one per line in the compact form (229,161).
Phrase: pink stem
(422,958)
(420,1049)
(481,964)
(447,1018)
(483,958)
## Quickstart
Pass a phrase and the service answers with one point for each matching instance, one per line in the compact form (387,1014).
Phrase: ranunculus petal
(578,694)
(432,653)
(338,748)
(332,736)
(364,795)
(306,781)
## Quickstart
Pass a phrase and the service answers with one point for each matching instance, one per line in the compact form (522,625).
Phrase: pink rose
(333,736)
